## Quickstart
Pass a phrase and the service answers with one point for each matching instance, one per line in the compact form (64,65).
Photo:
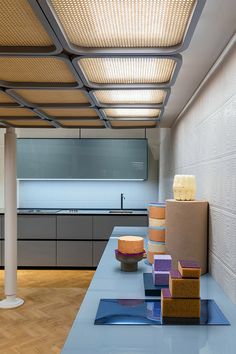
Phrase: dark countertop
(72,211)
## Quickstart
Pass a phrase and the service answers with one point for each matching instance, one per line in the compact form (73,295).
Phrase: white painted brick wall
(203,143)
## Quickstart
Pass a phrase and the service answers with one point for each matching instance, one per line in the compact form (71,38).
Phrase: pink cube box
(162,262)
(160,277)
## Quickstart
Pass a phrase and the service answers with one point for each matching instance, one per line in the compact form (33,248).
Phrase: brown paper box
(186,231)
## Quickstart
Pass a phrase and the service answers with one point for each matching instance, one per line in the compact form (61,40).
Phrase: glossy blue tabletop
(109,282)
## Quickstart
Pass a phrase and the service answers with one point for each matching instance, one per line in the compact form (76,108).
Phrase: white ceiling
(216,26)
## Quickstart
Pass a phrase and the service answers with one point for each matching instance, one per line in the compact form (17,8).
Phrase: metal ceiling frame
(63,57)
(131,105)
(83,127)
(9,104)
(36,50)
(11,92)
(135,127)
(177,58)
(103,114)
(43,115)
(74,49)
(6,120)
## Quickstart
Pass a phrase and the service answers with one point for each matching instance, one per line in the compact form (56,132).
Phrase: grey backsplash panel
(113,159)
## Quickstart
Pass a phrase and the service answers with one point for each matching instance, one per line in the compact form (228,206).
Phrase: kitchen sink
(120,211)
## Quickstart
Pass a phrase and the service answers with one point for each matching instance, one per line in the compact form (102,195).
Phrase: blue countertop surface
(109,282)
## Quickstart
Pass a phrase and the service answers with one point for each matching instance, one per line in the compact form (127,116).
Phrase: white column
(10,196)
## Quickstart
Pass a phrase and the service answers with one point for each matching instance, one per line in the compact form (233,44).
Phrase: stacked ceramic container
(156,231)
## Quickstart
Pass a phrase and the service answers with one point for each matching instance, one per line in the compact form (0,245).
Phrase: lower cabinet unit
(35,253)
(65,240)
(98,248)
(74,253)
(1,263)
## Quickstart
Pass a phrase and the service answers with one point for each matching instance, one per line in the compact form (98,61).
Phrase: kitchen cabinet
(36,227)
(1,261)
(35,253)
(98,248)
(65,240)
(104,224)
(74,253)
(74,227)
(1,226)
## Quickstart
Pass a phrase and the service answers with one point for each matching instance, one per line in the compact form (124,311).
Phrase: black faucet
(122,200)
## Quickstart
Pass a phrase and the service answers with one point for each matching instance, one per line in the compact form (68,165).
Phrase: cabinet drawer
(104,224)
(98,248)
(35,253)
(74,227)
(74,253)
(37,226)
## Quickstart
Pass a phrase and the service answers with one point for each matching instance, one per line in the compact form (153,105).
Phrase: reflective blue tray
(148,312)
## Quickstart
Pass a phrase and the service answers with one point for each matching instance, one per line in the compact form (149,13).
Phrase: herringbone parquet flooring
(52,299)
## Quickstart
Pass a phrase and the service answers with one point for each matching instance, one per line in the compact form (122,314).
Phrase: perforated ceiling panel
(36,71)
(6,100)
(129,97)
(131,113)
(42,97)
(108,25)
(28,123)
(70,112)
(16,112)
(22,30)
(124,71)
(127,58)
(133,124)
(73,123)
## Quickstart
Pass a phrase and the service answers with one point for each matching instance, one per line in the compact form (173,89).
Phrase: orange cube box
(157,210)
(157,234)
(170,307)
(189,269)
(183,287)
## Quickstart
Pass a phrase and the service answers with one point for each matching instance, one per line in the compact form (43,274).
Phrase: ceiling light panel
(24,29)
(133,124)
(141,97)
(28,123)
(16,112)
(108,26)
(126,71)
(145,113)
(74,123)
(29,71)
(7,101)
(82,113)
(50,97)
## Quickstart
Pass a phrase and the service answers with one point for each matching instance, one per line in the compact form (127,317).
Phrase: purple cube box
(160,277)
(162,262)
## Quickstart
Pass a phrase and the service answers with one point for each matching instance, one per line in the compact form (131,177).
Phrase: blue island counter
(109,282)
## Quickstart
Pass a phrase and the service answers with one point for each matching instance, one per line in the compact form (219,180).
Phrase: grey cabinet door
(104,224)
(74,253)
(98,248)
(1,226)
(35,253)
(1,252)
(36,226)
(74,227)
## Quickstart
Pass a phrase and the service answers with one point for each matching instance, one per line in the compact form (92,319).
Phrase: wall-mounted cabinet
(113,159)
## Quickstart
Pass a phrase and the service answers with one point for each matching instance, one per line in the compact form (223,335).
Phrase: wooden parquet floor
(41,325)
